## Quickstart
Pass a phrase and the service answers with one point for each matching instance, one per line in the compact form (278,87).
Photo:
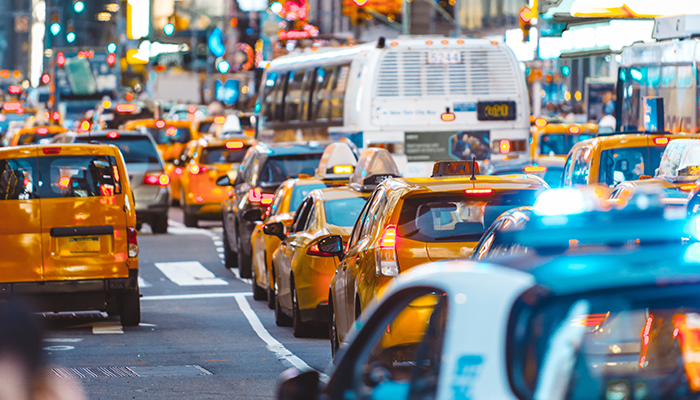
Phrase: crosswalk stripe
(143,283)
(189,273)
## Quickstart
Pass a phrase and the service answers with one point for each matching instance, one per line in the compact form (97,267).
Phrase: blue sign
(464,107)
(216,42)
(229,92)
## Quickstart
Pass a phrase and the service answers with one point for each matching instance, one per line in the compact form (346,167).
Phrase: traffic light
(526,16)
(565,70)
(78,6)
(169,29)
(45,79)
(111,59)
(55,28)
(223,66)
(112,47)
(60,59)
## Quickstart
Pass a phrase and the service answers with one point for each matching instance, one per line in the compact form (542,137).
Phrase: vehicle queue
(456,285)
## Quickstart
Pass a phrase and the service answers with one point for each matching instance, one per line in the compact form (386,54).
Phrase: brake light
(688,188)
(156,178)
(478,192)
(133,242)
(234,145)
(266,199)
(85,126)
(11,106)
(219,119)
(540,122)
(191,109)
(342,169)
(126,108)
(64,182)
(504,146)
(661,141)
(160,124)
(388,238)
(15,89)
(534,169)
(255,195)
(314,251)
(51,150)
(573,129)
(113,135)
(42,131)
(56,115)
(195,169)
(171,131)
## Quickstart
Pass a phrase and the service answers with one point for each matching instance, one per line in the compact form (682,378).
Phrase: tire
(332,328)
(230,259)
(281,319)
(299,327)
(258,292)
(244,264)
(191,221)
(271,290)
(130,314)
(160,223)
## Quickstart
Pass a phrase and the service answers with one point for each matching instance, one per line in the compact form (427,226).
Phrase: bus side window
(338,91)
(278,97)
(269,85)
(320,98)
(306,91)
(292,103)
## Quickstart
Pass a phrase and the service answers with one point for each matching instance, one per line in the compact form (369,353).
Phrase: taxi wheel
(160,224)
(229,256)
(332,329)
(258,292)
(191,221)
(130,314)
(281,319)
(243,260)
(299,327)
(271,291)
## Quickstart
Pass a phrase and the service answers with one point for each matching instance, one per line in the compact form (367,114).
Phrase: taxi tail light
(386,256)
(661,141)
(156,178)
(195,169)
(267,198)
(314,251)
(535,169)
(478,192)
(255,196)
(133,242)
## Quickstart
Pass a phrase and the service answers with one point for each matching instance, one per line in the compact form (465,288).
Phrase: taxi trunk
(202,186)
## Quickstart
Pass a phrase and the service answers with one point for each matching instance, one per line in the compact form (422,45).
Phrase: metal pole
(406,17)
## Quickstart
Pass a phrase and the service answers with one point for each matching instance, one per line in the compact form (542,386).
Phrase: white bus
(423,98)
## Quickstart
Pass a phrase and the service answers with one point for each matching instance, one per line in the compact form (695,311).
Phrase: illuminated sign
(495,110)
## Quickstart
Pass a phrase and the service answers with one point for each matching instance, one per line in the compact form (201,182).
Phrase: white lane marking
(58,348)
(146,324)
(189,273)
(221,255)
(107,328)
(175,224)
(143,283)
(219,243)
(237,274)
(194,296)
(63,340)
(220,249)
(272,344)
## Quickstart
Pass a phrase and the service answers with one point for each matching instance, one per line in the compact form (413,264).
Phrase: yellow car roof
(343,192)
(151,123)
(450,184)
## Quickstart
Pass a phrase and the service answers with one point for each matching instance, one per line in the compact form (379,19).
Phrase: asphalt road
(201,335)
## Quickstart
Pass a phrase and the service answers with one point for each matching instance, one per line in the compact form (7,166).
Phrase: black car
(259,175)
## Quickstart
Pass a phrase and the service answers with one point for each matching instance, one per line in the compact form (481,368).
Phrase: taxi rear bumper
(205,211)
(71,295)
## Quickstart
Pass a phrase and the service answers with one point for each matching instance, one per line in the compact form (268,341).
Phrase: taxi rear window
(637,343)
(560,143)
(135,149)
(78,176)
(205,126)
(625,164)
(222,155)
(31,138)
(456,218)
(170,134)
(18,177)
(344,212)
(280,168)
(300,192)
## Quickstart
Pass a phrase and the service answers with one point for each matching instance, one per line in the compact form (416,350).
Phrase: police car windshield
(280,168)
(627,344)
(135,149)
(221,155)
(344,212)
(456,218)
(626,164)
(559,143)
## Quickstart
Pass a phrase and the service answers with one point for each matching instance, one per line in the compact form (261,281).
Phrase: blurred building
(15,20)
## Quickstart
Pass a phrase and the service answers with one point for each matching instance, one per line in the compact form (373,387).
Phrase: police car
(618,319)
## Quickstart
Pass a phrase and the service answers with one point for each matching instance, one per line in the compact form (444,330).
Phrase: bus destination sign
(495,110)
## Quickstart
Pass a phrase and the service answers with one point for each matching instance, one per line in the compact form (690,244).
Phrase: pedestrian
(607,121)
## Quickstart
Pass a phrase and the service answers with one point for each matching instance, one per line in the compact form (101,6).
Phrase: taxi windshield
(135,149)
(630,344)
(344,212)
(456,218)
(170,134)
(559,143)
(221,155)
(626,164)
(301,191)
(280,168)
(31,138)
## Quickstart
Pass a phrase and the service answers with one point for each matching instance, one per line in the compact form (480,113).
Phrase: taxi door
(20,217)
(291,250)
(83,209)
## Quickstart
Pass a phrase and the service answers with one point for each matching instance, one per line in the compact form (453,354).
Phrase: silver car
(146,170)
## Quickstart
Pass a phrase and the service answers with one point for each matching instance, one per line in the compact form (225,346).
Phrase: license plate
(84,245)
(444,57)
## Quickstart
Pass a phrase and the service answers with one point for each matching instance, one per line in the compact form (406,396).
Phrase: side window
(374,215)
(320,98)
(386,360)
(292,103)
(278,98)
(484,245)
(311,217)
(246,166)
(277,201)
(581,167)
(357,229)
(18,177)
(337,91)
(301,216)
(270,85)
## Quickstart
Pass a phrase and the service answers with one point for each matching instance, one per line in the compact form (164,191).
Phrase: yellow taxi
(203,162)
(37,134)
(610,160)
(170,136)
(68,229)
(552,136)
(407,222)
(337,163)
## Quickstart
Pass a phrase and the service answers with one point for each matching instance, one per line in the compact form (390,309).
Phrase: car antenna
(473,178)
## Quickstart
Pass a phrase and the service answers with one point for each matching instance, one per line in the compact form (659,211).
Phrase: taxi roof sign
(373,166)
(337,162)
(454,168)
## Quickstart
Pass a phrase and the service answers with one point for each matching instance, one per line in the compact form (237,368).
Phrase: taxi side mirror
(224,181)
(275,229)
(252,215)
(296,385)
(332,245)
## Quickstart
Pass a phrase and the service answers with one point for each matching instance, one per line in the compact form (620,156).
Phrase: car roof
(446,184)
(211,141)
(547,161)
(152,122)
(343,192)
(291,148)
(89,147)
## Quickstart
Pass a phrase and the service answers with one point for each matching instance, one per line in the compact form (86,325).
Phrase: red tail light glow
(266,199)
(314,251)
(42,131)
(255,195)
(60,59)
(195,169)
(191,109)
(63,182)
(540,122)
(133,242)
(56,116)
(478,192)
(388,241)
(156,178)
(661,141)
(160,124)
(113,135)
(171,131)
(15,89)
(11,106)
(51,150)
(589,320)
(504,146)
(574,129)
(85,126)
(126,108)
(688,188)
